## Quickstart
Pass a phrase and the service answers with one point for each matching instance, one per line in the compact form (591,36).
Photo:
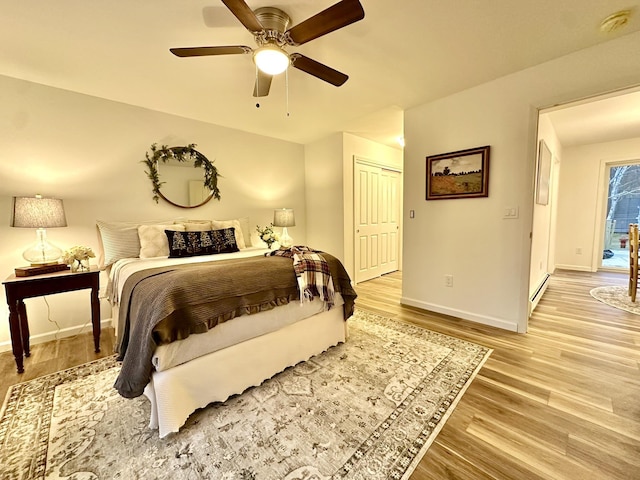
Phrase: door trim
(601,210)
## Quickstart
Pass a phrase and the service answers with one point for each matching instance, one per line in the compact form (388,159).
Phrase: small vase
(80,265)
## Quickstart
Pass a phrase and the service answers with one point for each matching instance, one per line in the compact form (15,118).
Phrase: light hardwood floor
(560,402)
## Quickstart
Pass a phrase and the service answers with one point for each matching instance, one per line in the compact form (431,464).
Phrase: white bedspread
(235,331)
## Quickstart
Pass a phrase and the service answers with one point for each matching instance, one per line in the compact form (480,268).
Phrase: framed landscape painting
(461,174)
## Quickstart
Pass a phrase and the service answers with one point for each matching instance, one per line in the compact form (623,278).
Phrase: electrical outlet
(578,250)
(448,280)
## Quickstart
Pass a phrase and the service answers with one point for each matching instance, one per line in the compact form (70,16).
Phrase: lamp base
(285,240)
(42,252)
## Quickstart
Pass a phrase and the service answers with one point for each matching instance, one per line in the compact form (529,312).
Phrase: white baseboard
(57,334)
(538,292)
(491,321)
(577,268)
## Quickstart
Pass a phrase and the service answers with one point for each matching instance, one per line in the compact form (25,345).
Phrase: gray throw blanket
(165,304)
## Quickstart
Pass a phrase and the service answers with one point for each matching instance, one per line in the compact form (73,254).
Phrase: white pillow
(197,226)
(153,240)
(246,230)
(117,240)
(235,224)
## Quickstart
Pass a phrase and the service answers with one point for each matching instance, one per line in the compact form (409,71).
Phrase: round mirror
(183,184)
(182,176)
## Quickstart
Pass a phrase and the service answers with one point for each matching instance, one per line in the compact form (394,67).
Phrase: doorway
(586,138)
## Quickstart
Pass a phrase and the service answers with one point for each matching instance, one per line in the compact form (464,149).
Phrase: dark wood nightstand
(19,288)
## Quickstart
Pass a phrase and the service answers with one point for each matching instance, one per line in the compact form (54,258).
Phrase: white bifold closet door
(376,215)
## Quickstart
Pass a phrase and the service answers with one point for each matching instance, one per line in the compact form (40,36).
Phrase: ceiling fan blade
(243,13)
(263,84)
(204,51)
(333,18)
(318,70)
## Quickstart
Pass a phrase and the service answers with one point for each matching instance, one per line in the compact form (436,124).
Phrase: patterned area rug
(617,297)
(366,409)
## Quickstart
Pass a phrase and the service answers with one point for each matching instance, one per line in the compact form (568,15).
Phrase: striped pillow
(117,240)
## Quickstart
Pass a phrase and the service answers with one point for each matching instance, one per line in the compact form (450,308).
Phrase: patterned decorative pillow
(209,242)
(153,241)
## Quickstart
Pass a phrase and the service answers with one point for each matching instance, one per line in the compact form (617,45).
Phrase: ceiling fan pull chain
(286,86)
(257,78)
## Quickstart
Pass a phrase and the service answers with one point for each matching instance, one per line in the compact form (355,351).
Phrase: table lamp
(40,213)
(283,217)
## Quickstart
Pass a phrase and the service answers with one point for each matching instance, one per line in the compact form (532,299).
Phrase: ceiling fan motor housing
(275,23)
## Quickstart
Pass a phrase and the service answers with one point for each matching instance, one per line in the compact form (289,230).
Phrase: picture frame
(543,176)
(460,174)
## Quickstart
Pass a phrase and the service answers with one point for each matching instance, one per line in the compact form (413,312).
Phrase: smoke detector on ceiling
(615,21)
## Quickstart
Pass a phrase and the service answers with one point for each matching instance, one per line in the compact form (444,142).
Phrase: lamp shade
(283,217)
(38,212)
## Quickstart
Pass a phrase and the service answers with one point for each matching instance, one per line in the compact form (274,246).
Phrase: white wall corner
(483,319)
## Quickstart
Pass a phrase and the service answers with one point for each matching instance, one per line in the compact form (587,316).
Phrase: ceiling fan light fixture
(271,59)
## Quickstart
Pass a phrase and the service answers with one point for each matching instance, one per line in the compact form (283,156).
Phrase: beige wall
(489,256)
(324,199)
(87,151)
(329,189)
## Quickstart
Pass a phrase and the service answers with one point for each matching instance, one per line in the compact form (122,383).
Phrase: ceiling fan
(270,28)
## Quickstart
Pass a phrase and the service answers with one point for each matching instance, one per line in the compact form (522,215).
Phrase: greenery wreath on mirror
(181,154)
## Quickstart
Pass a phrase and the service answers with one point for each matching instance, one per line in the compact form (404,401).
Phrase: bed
(192,330)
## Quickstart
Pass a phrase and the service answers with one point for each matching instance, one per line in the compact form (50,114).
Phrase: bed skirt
(179,391)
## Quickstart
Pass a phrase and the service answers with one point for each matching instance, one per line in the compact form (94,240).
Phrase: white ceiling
(603,119)
(401,55)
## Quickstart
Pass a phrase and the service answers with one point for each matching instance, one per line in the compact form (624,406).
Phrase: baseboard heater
(537,295)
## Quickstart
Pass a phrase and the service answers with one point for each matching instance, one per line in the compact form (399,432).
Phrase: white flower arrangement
(267,235)
(78,257)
